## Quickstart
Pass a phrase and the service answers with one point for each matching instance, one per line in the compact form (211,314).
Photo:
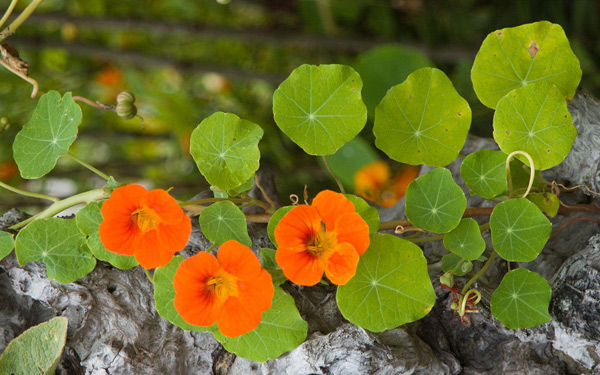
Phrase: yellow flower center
(322,244)
(224,285)
(145,218)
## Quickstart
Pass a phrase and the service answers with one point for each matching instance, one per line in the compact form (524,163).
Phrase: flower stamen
(146,219)
(223,286)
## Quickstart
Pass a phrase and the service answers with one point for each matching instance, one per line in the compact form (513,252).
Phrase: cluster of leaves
(423,120)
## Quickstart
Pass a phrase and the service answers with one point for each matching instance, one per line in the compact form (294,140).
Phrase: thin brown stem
(264,192)
(571,221)
(94,104)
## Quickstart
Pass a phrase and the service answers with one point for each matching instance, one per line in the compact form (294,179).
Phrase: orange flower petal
(155,253)
(330,206)
(404,177)
(353,229)
(237,318)
(341,265)
(119,238)
(297,228)
(122,202)
(371,178)
(239,260)
(301,268)
(165,206)
(175,237)
(242,314)
(257,292)
(192,302)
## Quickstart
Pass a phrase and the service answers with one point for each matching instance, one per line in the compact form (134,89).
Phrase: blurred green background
(187,59)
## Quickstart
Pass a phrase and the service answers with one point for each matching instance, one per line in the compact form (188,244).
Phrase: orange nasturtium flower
(374,182)
(327,236)
(232,289)
(147,224)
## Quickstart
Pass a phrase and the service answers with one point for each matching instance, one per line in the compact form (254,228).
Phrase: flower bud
(126,105)
(4,123)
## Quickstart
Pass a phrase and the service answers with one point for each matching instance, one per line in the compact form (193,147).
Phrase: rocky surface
(114,328)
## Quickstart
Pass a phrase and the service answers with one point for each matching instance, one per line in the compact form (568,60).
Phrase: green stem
(86,197)
(214,200)
(150,277)
(337,180)
(481,272)
(88,166)
(248,200)
(260,204)
(427,239)
(456,268)
(27,193)
(211,247)
(19,20)
(8,12)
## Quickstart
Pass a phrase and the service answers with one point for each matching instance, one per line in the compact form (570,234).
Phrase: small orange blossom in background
(147,224)
(232,289)
(327,236)
(374,182)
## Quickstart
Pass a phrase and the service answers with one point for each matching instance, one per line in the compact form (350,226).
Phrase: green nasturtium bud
(4,123)
(447,279)
(126,105)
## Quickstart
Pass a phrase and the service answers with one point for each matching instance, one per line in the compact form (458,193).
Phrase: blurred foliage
(186,59)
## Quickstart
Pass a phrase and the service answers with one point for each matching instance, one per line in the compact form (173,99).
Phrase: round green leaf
(484,172)
(435,202)
(320,107)
(535,119)
(391,286)
(522,299)
(519,230)
(423,120)
(59,244)
(517,56)
(280,330)
(224,221)
(37,350)
(164,295)
(88,220)
(48,135)
(369,213)
(465,240)
(275,219)
(547,202)
(225,149)
(7,243)
(380,69)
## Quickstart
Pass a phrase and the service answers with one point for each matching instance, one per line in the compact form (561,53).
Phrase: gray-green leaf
(37,350)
